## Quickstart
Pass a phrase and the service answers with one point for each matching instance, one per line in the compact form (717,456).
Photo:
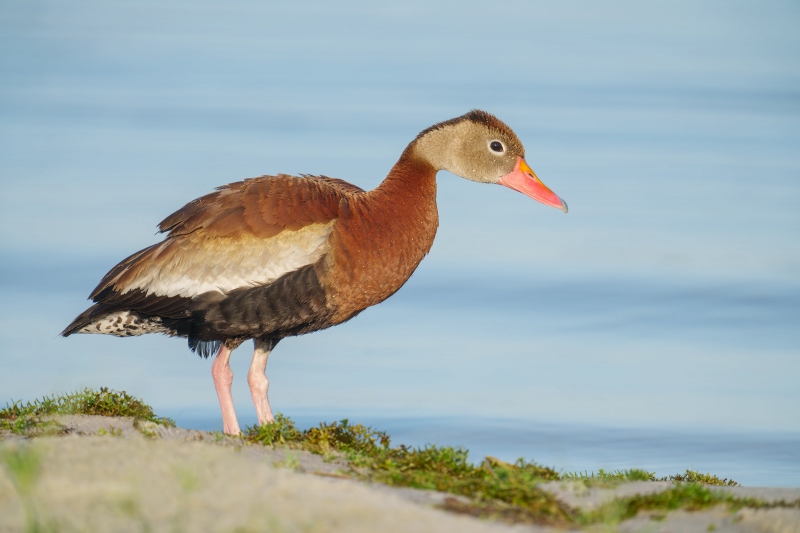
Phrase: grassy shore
(523,493)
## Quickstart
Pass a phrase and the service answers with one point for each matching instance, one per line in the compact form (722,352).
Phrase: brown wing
(242,235)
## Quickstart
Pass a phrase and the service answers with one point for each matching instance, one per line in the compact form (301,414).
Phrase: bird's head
(479,147)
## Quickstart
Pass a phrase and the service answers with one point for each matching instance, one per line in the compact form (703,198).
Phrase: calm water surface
(654,326)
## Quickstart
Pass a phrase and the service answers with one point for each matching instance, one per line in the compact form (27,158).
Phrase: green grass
(26,418)
(610,479)
(497,489)
(692,476)
(23,465)
(493,488)
(691,496)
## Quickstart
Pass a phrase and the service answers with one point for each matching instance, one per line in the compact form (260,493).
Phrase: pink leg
(259,384)
(223,378)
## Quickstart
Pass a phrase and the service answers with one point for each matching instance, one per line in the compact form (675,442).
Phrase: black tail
(92,314)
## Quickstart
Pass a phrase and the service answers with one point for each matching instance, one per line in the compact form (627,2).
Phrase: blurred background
(657,325)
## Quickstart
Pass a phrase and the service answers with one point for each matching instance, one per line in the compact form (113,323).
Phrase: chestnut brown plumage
(278,256)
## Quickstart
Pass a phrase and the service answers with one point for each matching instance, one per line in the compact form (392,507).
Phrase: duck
(278,256)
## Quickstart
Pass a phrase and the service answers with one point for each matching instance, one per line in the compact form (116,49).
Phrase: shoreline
(146,476)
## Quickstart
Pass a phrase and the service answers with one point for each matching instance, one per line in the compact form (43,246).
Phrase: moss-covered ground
(492,488)
(495,488)
(30,418)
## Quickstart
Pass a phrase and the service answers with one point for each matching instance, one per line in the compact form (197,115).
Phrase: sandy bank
(106,475)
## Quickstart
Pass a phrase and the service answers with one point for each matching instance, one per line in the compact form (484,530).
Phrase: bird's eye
(497,146)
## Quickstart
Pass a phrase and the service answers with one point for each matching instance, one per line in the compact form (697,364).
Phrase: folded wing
(245,234)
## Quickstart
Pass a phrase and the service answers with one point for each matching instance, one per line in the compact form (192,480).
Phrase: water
(654,326)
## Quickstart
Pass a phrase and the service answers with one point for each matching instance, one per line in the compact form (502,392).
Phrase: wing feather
(244,234)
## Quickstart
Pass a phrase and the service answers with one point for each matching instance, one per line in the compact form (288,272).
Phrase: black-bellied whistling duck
(277,256)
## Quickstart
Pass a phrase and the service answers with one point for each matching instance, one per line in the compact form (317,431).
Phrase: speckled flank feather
(125,324)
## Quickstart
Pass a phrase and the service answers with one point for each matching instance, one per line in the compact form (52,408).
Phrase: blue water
(654,326)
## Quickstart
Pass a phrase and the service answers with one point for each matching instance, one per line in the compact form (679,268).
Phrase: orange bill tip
(524,180)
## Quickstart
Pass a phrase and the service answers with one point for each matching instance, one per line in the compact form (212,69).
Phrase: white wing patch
(203,264)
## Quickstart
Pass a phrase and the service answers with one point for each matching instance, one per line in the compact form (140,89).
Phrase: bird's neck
(381,236)
(404,206)
(411,180)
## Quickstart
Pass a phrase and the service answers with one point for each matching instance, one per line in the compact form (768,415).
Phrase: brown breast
(380,238)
